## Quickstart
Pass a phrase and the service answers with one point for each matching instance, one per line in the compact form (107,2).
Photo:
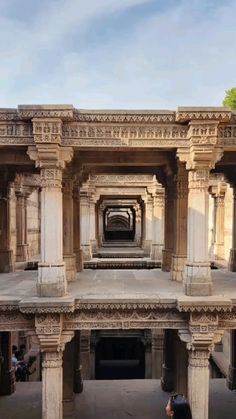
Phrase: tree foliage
(230,99)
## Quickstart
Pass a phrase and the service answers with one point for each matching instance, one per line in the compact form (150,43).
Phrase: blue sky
(122,54)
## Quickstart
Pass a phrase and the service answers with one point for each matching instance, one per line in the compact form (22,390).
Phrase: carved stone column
(6,253)
(68,239)
(7,379)
(157,352)
(51,158)
(138,224)
(100,224)
(168,379)
(198,381)
(232,257)
(85,353)
(92,208)
(218,193)
(76,221)
(68,379)
(78,380)
(180,236)
(198,272)
(231,379)
(22,247)
(169,230)
(85,225)
(52,340)
(148,214)
(158,225)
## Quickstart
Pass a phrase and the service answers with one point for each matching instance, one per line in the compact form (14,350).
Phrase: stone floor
(112,284)
(138,399)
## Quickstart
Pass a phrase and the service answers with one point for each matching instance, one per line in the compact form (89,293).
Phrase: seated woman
(178,407)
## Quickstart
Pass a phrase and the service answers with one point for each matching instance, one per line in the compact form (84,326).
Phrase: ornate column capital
(49,330)
(204,148)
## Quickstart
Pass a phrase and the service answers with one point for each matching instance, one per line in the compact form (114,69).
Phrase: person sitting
(178,407)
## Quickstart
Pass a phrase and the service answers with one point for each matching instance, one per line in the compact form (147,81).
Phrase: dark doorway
(120,358)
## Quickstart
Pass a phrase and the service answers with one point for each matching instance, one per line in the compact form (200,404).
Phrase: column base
(22,252)
(198,279)
(68,408)
(232,260)
(219,251)
(147,247)
(166,260)
(87,251)
(177,267)
(70,265)
(51,280)
(231,379)
(167,379)
(94,246)
(6,261)
(156,251)
(7,386)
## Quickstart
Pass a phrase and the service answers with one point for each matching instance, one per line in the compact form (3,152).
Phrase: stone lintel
(126,304)
(215,113)
(47,305)
(198,304)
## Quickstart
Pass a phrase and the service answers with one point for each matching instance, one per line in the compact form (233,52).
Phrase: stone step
(122,264)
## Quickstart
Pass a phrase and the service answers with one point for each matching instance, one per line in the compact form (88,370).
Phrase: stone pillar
(78,381)
(169,226)
(198,382)
(158,225)
(51,158)
(22,247)
(76,226)
(148,214)
(52,386)
(231,379)
(85,225)
(211,227)
(85,353)
(68,226)
(148,353)
(6,253)
(92,214)
(180,235)
(52,338)
(7,379)
(232,257)
(68,379)
(51,269)
(218,193)
(157,352)
(100,224)
(167,379)
(138,224)
(198,273)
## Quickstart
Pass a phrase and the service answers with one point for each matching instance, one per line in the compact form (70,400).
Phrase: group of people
(20,366)
(178,407)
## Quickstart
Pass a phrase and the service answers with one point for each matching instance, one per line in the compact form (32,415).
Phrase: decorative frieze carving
(16,133)
(13,320)
(125,116)
(121,318)
(47,130)
(73,133)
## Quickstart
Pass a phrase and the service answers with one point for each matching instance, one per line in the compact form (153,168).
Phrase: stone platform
(138,399)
